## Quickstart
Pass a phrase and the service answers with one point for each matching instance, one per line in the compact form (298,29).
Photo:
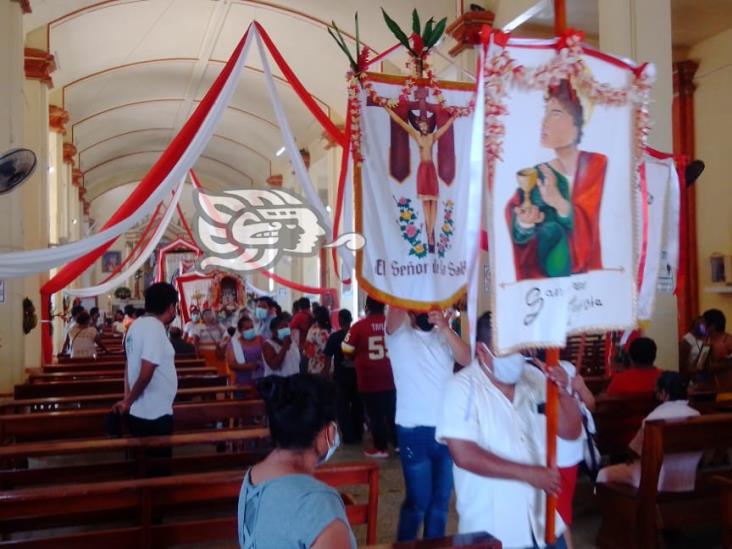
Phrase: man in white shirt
(678,473)
(493,421)
(151,380)
(422,349)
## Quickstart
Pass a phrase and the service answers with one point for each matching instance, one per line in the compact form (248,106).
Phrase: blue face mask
(249,334)
(332,448)
(260,313)
(282,333)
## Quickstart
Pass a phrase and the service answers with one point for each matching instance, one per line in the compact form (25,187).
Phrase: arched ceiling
(130,72)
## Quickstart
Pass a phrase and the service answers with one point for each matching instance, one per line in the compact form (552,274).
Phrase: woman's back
(290,511)
(83,341)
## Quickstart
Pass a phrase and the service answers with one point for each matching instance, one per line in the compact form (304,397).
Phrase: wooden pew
(154,509)
(725,484)
(215,450)
(597,384)
(617,420)
(90,423)
(477,540)
(634,518)
(41,377)
(95,387)
(58,404)
(117,364)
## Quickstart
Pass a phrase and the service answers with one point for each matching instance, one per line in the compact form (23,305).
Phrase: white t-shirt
(290,364)
(148,340)
(474,409)
(421,362)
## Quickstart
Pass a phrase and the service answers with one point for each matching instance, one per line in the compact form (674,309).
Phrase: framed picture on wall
(110,261)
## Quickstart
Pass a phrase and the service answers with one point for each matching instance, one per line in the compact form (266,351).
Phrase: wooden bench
(725,484)
(38,377)
(635,518)
(617,420)
(90,423)
(117,364)
(477,540)
(156,512)
(58,404)
(105,386)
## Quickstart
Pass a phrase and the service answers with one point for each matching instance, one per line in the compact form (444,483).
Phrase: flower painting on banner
(412,142)
(566,128)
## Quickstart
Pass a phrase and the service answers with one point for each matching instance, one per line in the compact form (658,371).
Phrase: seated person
(176,340)
(118,324)
(642,375)
(717,337)
(679,470)
(301,410)
(84,338)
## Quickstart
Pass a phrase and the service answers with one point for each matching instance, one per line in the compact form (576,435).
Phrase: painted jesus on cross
(428,186)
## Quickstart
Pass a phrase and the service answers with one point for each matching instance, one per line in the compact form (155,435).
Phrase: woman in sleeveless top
(281,504)
(281,357)
(244,353)
(84,338)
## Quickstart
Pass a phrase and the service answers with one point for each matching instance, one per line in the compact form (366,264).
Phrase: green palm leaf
(416,27)
(394,28)
(437,32)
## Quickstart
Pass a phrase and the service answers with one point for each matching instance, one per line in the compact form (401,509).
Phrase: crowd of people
(474,424)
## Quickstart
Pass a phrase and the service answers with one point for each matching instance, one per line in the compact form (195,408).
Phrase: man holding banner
(493,421)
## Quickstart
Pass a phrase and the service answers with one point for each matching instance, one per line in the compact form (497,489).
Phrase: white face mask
(331,449)
(506,369)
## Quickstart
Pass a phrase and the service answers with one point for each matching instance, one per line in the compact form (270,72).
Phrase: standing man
(300,324)
(423,350)
(349,408)
(492,419)
(264,313)
(151,379)
(365,341)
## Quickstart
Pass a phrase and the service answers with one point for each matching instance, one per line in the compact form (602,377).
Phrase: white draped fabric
(143,256)
(16,264)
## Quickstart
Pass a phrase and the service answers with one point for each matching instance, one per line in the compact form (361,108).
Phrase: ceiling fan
(16,165)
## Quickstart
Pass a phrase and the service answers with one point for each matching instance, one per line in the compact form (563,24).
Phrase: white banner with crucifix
(568,130)
(411,189)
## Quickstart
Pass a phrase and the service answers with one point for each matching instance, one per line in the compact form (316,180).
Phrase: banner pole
(552,356)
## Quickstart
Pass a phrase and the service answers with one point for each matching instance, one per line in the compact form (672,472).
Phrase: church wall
(713,119)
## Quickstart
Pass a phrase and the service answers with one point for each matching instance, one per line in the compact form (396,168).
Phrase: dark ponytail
(298,407)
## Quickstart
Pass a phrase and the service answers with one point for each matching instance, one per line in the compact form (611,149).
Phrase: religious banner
(659,249)
(411,178)
(566,133)
(194,289)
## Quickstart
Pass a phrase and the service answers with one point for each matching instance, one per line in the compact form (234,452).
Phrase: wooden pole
(552,359)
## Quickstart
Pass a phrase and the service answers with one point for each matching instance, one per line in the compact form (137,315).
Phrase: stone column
(35,207)
(641,30)
(12,349)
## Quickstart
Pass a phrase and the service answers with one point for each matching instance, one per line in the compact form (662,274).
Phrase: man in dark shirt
(302,322)
(181,347)
(349,407)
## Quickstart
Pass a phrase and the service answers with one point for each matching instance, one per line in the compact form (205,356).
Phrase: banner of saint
(410,191)
(561,223)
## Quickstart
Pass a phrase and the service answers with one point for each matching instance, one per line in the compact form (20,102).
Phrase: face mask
(423,323)
(195,317)
(331,449)
(282,333)
(507,369)
(260,313)
(249,334)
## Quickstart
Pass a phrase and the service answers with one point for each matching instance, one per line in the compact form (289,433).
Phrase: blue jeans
(427,468)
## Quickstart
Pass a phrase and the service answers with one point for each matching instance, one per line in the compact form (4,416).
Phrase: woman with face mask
(244,353)
(281,504)
(281,357)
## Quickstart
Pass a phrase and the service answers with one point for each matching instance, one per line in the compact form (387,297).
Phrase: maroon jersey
(365,340)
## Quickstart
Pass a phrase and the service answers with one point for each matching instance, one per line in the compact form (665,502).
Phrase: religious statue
(554,216)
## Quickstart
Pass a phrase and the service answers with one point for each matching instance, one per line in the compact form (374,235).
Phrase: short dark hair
(276,321)
(672,384)
(374,306)
(298,408)
(483,329)
(715,318)
(119,312)
(83,318)
(160,296)
(94,311)
(304,304)
(130,309)
(75,310)
(139,312)
(642,351)
(241,322)
(344,317)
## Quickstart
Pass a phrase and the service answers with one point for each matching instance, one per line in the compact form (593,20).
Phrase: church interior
(99,89)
